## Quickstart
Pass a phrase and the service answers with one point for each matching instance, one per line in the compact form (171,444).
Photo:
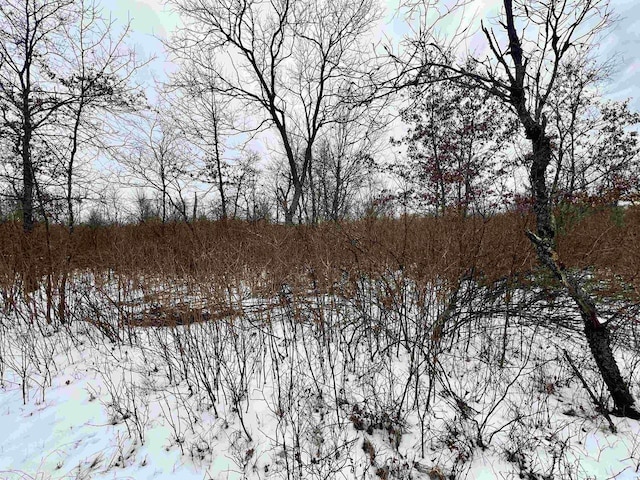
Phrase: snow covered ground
(323,389)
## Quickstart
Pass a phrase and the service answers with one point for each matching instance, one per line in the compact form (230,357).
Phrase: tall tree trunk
(298,186)
(293,206)
(335,203)
(312,192)
(216,142)
(27,173)
(194,215)
(163,182)
(596,333)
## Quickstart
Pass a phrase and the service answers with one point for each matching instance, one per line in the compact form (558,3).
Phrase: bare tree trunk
(596,333)
(312,191)
(292,207)
(163,193)
(216,140)
(298,183)
(534,123)
(335,203)
(194,216)
(27,172)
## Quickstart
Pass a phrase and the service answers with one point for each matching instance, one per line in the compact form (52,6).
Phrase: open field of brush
(415,348)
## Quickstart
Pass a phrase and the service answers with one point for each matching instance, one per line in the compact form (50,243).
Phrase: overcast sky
(151,18)
(624,43)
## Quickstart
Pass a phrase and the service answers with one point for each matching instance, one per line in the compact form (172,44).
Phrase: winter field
(381,350)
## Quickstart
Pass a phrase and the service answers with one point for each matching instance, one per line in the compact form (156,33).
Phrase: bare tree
(525,57)
(60,62)
(31,51)
(159,158)
(570,103)
(244,187)
(101,86)
(291,61)
(206,118)
(343,163)
(595,144)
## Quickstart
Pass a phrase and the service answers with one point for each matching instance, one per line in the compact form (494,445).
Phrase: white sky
(152,19)
(151,22)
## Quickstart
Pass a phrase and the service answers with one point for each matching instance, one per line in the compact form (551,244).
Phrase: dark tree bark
(27,33)
(218,156)
(597,333)
(525,80)
(27,175)
(49,79)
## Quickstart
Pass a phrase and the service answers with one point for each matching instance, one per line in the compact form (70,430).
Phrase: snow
(327,390)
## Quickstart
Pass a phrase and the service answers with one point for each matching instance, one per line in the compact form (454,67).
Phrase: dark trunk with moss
(597,334)
(534,123)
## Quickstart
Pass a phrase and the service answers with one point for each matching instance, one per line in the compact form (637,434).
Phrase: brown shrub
(263,256)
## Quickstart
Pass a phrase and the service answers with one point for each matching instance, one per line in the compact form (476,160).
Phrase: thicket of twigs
(382,348)
(265,256)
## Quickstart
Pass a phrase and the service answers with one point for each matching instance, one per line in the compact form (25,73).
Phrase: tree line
(311,84)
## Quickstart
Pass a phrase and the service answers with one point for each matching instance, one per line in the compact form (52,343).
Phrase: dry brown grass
(212,257)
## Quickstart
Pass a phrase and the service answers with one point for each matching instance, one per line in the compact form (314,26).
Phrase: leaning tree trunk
(597,333)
